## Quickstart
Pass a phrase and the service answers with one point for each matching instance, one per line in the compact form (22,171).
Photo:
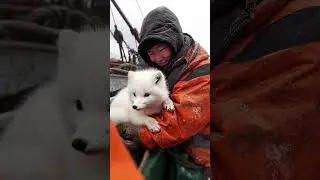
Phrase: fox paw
(168,105)
(152,125)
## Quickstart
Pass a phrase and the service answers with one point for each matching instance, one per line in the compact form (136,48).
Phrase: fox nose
(79,144)
(134,107)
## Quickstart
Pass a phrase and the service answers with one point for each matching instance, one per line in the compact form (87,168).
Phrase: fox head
(147,88)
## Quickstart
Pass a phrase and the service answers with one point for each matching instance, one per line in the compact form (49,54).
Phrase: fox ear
(157,77)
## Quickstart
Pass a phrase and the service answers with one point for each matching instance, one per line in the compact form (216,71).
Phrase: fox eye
(134,94)
(79,105)
(146,94)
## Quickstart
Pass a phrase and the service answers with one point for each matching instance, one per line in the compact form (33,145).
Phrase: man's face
(160,54)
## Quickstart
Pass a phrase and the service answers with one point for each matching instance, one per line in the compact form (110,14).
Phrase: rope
(140,9)
(126,44)
(116,24)
(123,40)
(114,21)
(136,44)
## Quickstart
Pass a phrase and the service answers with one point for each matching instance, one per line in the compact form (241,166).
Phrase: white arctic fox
(146,94)
(61,131)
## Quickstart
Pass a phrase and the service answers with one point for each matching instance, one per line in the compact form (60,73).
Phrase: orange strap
(122,165)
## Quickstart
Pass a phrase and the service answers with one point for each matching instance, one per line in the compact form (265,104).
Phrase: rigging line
(116,24)
(136,44)
(113,16)
(140,9)
(123,40)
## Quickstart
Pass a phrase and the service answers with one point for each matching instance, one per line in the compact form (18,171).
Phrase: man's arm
(192,114)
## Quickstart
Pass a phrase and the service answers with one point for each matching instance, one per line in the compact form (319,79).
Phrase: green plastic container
(161,165)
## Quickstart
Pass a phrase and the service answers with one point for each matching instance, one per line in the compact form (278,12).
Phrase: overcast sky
(194,17)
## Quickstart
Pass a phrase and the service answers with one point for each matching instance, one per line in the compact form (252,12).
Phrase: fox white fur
(145,94)
(61,132)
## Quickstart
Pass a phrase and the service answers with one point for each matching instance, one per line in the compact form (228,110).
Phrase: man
(187,66)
